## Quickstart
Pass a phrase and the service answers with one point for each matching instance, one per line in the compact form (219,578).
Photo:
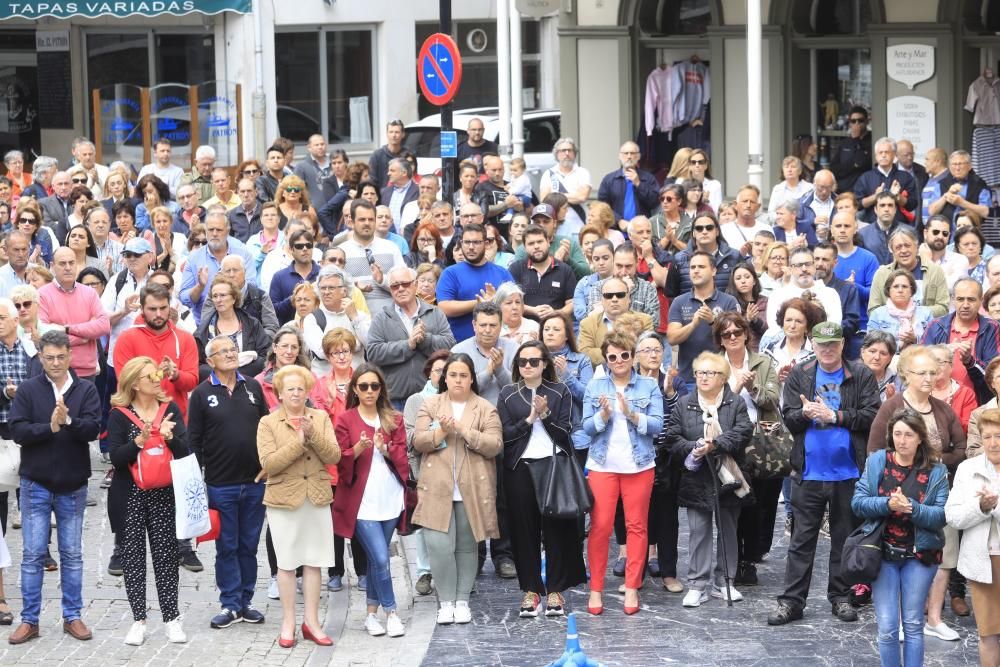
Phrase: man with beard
(548,283)
(369,258)
(937,234)
(629,191)
(825,258)
(206,261)
(491,196)
(570,179)
(465,284)
(274,171)
(803,267)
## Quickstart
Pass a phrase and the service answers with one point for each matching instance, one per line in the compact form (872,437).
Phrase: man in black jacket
(629,191)
(223,414)
(54,417)
(829,406)
(853,156)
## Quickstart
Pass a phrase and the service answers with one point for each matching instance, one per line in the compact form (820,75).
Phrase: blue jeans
(906,581)
(241,517)
(374,537)
(37,505)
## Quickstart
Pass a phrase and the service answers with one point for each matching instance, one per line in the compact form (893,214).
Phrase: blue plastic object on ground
(573,655)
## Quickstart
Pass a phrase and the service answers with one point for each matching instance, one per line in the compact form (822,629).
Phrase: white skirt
(4,553)
(302,536)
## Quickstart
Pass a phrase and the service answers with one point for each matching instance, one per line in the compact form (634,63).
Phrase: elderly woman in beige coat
(459,435)
(294,444)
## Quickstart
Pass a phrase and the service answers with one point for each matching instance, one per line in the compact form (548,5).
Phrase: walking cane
(714,472)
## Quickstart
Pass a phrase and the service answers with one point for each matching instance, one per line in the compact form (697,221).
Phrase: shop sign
(51,40)
(170,116)
(910,63)
(218,119)
(911,117)
(36,9)
(537,8)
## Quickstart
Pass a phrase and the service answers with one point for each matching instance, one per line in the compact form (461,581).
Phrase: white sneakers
(394,625)
(941,631)
(694,598)
(272,589)
(136,634)
(373,626)
(462,612)
(175,632)
(725,592)
(446,614)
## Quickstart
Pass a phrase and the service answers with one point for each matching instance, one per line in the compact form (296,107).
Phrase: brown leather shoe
(23,633)
(77,630)
(960,606)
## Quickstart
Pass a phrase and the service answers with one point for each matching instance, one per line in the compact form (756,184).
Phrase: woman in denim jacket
(622,414)
(572,368)
(906,487)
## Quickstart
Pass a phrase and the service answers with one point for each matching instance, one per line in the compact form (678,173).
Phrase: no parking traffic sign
(439,68)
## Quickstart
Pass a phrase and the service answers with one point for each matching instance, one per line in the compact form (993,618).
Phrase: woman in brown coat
(459,435)
(294,444)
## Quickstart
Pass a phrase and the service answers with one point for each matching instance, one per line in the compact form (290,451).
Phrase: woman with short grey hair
(510,298)
(877,351)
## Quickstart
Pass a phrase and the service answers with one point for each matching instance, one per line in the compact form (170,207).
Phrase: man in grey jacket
(402,336)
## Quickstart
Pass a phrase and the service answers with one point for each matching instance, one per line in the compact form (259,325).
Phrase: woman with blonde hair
(115,188)
(292,199)
(679,168)
(427,278)
(38,276)
(295,443)
(774,268)
(792,187)
(305,300)
(141,410)
(168,246)
(600,215)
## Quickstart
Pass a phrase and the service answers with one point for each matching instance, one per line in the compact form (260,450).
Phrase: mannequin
(983,101)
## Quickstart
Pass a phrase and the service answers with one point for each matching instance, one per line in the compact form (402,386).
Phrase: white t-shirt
(567,184)
(539,445)
(619,458)
(737,235)
(383,496)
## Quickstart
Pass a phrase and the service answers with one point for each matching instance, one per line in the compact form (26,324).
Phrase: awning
(36,9)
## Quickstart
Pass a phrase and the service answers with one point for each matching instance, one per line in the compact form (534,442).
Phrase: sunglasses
(198,242)
(614,295)
(130,255)
(339,261)
(491,239)
(369,386)
(24,305)
(857,121)
(293,190)
(668,199)
(732,333)
(697,162)
(302,246)
(26,219)
(251,172)
(613,358)
(406,284)
(80,180)
(703,228)
(940,232)
(534,362)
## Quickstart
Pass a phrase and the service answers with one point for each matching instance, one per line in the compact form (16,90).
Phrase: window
(121,58)
(324,85)
(832,17)
(135,57)
(540,134)
(680,17)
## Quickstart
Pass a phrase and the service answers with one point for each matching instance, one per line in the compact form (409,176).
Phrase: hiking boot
(785,613)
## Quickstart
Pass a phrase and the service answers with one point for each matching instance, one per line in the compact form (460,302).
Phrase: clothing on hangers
(659,100)
(983,101)
(693,91)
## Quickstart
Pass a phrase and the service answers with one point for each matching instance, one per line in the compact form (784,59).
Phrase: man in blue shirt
(629,191)
(463,285)
(302,269)
(205,262)
(828,405)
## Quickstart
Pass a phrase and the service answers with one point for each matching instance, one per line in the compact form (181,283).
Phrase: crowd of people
(348,356)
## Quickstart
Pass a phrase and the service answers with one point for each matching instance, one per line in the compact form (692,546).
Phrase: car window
(426,141)
(540,134)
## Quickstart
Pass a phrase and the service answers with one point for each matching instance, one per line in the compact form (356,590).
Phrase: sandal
(6,617)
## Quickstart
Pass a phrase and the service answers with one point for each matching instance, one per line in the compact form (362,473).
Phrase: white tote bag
(190,498)
(10,462)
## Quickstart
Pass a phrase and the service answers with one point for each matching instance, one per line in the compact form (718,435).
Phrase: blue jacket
(880,320)
(928,517)
(644,397)
(807,216)
(876,241)
(283,284)
(612,192)
(985,350)
(807,228)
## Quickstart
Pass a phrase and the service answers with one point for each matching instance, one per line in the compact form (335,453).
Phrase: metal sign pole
(447,164)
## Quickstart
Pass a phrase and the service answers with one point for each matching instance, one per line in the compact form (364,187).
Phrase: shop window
(324,85)
(981,16)
(186,59)
(680,17)
(119,58)
(135,57)
(831,17)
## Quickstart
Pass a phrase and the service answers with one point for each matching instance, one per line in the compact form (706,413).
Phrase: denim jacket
(644,397)
(928,517)
(579,371)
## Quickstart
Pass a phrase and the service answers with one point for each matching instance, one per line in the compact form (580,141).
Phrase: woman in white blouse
(791,188)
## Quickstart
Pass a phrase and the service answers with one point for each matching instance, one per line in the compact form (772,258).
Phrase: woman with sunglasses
(622,414)
(458,434)
(537,416)
(29,221)
(30,328)
(672,223)
(292,199)
(249,169)
(373,471)
(700,171)
(753,379)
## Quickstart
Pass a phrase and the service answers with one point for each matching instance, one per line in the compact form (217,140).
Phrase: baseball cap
(138,246)
(543,210)
(827,332)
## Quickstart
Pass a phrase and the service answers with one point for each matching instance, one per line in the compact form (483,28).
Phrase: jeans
(37,505)
(417,540)
(374,537)
(901,590)
(241,517)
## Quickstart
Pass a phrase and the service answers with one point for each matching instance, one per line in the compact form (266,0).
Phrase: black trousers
(664,528)
(755,529)
(499,547)
(809,501)
(357,553)
(564,566)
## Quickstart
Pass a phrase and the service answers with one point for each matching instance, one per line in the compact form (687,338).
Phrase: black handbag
(560,487)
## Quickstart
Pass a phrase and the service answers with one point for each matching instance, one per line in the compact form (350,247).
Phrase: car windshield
(426,141)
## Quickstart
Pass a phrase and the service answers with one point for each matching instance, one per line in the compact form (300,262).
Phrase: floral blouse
(900,532)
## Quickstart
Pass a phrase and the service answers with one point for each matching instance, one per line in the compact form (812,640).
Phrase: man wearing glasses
(191,211)
(595,327)
(854,155)
(302,269)
(629,191)
(705,237)
(937,236)
(960,188)
(403,336)
(200,176)
(462,286)
(817,207)
(803,267)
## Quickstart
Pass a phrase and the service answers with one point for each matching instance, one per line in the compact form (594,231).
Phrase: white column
(755,101)
(259,110)
(503,76)
(516,86)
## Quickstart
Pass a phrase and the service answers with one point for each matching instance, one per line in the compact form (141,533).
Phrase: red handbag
(151,469)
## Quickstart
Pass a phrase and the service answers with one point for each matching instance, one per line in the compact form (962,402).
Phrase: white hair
(9,306)
(204,151)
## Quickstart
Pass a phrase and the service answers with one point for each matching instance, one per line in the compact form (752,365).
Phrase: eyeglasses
(198,242)
(331,288)
(491,239)
(650,350)
(697,162)
(614,358)
(24,305)
(614,295)
(472,242)
(302,246)
(251,172)
(340,353)
(802,265)
(425,239)
(534,362)
(405,284)
(706,374)
(857,120)
(703,228)
(940,232)
(293,190)
(732,333)
(923,374)
(369,386)
(55,359)
(22,218)
(78,181)
(339,261)
(155,376)
(287,347)
(229,351)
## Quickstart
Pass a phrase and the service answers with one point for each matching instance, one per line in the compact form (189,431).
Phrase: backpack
(151,469)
